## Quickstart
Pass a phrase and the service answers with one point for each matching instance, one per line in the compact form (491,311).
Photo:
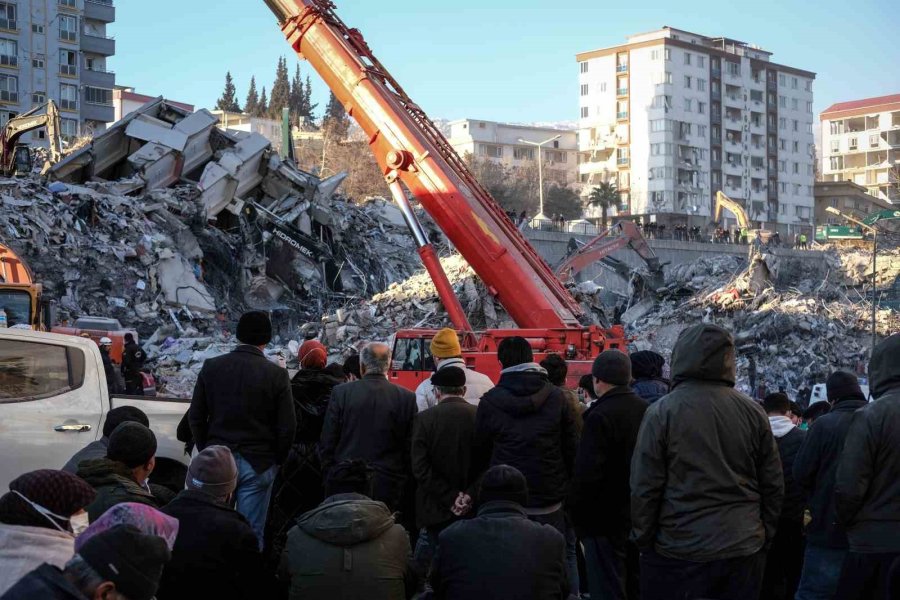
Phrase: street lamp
(874,231)
(540,145)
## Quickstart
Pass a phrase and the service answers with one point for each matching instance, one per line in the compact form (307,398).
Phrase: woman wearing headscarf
(146,519)
(36,522)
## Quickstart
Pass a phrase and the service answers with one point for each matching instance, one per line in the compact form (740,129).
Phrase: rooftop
(878,101)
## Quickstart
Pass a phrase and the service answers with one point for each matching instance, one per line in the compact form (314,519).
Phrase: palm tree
(604,196)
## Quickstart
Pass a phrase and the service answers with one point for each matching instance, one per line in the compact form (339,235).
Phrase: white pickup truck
(53,402)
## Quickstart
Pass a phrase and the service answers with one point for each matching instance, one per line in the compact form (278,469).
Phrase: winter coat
(133,358)
(216,553)
(24,548)
(311,390)
(114,383)
(45,583)
(441,451)
(600,500)
(500,555)
(706,481)
(96,449)
(789,439)
(243,401)
(371,419)
(650,390)
(348,548)
(477,385)
(527,423)
(114,485)
(815,468)
(867,486)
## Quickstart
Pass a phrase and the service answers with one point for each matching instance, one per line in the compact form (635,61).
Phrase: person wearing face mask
(122,475)
(36,522)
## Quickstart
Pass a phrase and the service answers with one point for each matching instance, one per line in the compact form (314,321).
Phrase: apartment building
(126,100)
(672,117)
(861,143)
(507,144)
(57,49)
(849,198)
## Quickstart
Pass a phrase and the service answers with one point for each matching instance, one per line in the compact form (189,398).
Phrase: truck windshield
(17,304)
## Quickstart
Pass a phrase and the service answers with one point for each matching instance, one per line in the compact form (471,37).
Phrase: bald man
(371,419)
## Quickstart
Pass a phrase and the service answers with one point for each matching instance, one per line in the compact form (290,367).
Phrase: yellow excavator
(15,158)
(759,274)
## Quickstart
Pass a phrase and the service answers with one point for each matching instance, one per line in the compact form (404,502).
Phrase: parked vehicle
(100,327)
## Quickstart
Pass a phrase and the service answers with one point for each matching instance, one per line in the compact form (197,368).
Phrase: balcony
(622,116)
(100,10)
(622,92)
(102,113)
(95,44)
(98,78)
(621,68)
(715,72)
(622,162)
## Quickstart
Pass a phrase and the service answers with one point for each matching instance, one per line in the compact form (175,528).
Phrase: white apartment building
(672,117)
(502,142)
(861,143)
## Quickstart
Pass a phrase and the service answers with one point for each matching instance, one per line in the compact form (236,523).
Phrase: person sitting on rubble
(447,352)
(133,358)
(99,448)
(647,369)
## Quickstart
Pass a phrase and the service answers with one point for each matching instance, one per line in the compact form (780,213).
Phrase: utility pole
(540,145)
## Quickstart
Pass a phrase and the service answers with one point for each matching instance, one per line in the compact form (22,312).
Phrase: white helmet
(105,341)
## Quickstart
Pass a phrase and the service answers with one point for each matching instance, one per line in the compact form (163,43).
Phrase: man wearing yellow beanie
(447,352)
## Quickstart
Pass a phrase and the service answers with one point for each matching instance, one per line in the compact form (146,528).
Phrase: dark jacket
(371,419)
(113,484)
(311,390)
(600,500)
(527,423)
(500,555)
(243,401)
(815,468)
(112,378)
(788,448)
(706,481)
(45,583)
(96,449)
(441,451)
(216,553)
(867,486)
(348,548)
(133,358)
(650,390)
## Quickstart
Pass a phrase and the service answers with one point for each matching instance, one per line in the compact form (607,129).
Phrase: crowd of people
(644,482)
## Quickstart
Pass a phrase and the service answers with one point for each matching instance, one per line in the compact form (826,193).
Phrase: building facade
(672,117)
(849,198)
(57,49)
(861,143)
(126,100)
(235,121)
(503,143)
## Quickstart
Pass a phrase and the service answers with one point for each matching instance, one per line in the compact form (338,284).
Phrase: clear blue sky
(498,59)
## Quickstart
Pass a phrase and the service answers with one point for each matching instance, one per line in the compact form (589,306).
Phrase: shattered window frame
(9,19)
(68,34)
(68,62)
(6,115)
(9,88)
(65,125)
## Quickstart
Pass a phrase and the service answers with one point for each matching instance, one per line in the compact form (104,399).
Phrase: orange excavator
(416,160)
(20,296)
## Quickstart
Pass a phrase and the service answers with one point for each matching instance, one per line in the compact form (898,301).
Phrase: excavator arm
(22,124)
(724,202)
(605,244)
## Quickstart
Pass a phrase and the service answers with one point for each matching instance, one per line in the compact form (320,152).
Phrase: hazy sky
(498,59)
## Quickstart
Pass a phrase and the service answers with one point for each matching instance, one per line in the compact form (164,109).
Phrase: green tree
(281,90)
(308,106)
(297,94)
(263,107)
(228,101)
(562,200)
(251,105)
(336,122)
(604,195)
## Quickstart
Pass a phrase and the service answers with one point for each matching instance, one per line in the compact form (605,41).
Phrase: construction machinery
(853,234)
(414,154)
(723,202)
(15,158)
(20,296)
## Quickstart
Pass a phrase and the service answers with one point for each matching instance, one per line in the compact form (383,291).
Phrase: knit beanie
(131,444)
(254,328)
(449,377)
(503,483)
(647,364)
(612,367)
(130,559)
(445,344)
(841,385)
(312,355)
(213,471)
(58,492)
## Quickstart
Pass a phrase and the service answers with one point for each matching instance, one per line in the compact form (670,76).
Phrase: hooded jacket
(114,485)
(526,422)
(311,389)
(706,480)
(348,548)
(789,439)
(867,486)
(650,390)
(23,548)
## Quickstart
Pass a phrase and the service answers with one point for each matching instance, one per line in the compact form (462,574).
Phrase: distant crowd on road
(646,481)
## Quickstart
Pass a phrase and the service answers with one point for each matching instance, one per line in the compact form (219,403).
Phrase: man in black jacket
(867,486)
(527,423)
(785,557)
(600,502)
(499,554)
(371,420)
(814,470)
(216,553)
(706,482)
(243,401)
(133,358)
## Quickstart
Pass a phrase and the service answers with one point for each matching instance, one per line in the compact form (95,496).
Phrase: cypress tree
(228,101)
(251,105)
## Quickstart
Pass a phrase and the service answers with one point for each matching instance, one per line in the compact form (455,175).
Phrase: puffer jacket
(527,422)
(706,480)
(349,547)
(867,486)
(113,483)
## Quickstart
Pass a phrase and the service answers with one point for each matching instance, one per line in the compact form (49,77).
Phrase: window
(523,153)
(69,128)
(555,156)
(701,108)
(9,88)
(68,63)
(9,53)
(795,104)
(701,85)
(5,116)
(69,3)
(584,89)
(584,112)
(660,149)
(37,61)
(873,140)
(490,150)
(701,62)
(796,125)
(35,28)
(796,168)
(835,146)
(687,58)
(782,166)
(782,79)
(68,28)
(668,54)
(408,355)
(584,67)
(809,169)
(853,143)
(668,77)
(8,16)
(782,123)
(29,370)
(68,96)
(782,187)
(702,130)
(688,105)
(657,125)
(687,81)
(782,144)
(782,101)
(795,83)
(808,86)
(795,147)
(38,97)
(662,102)
(603,87)
(655,54)
(733,68)
(809,128)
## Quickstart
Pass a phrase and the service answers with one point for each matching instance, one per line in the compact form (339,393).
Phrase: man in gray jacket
(706,481)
